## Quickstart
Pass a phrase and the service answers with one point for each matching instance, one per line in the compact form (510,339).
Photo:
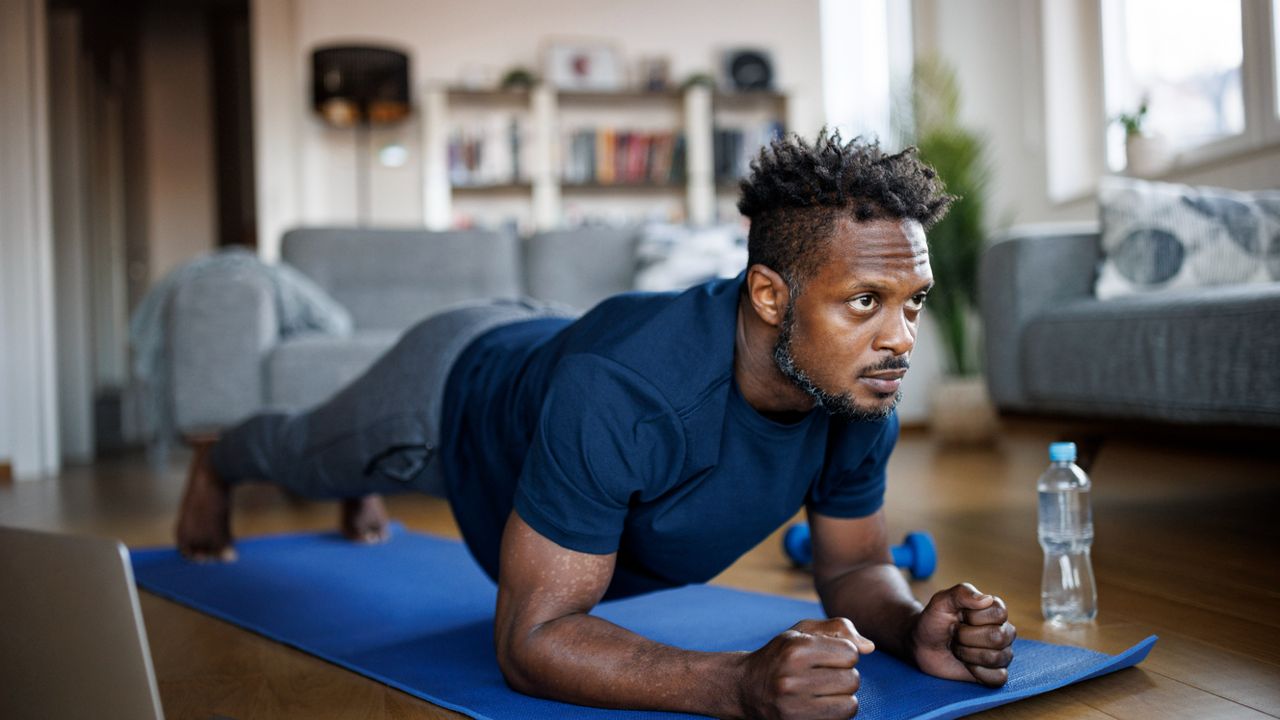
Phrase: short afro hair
(797,191)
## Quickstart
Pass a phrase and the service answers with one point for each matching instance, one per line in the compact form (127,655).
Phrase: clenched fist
(806,672)
(964,634)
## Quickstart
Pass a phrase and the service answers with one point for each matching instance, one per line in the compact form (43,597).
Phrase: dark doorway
(152,151)
(233,121)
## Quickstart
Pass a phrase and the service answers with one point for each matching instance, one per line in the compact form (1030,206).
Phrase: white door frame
(69,168)
(28,388)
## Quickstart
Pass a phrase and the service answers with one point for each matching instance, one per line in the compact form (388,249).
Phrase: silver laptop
(72,644)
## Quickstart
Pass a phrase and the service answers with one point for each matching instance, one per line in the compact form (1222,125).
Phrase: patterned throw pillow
(1160,236)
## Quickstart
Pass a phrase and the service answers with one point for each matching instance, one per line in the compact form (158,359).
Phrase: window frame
(1257,87)
(1072,87)
(1268,42)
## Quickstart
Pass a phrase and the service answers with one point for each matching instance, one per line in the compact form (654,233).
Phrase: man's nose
(897,334)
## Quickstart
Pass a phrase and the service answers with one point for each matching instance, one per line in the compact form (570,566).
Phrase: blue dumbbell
(917,554)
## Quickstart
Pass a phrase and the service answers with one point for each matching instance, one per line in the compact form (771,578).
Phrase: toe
(208,553)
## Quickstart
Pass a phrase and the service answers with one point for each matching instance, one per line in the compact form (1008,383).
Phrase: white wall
(448,38)
(993,45)
(178,136)
(279,94)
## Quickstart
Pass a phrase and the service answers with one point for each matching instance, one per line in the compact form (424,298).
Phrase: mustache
(889,363)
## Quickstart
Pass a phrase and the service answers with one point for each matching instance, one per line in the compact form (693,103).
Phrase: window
(1184,58)
(866,61)
(1210,70)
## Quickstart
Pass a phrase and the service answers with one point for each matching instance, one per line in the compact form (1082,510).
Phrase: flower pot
(1146,155)
(961,412)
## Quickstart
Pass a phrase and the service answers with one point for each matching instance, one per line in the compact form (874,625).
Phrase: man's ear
(768,294)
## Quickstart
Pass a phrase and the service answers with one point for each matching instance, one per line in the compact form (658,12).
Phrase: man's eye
(917,302)
(863,302)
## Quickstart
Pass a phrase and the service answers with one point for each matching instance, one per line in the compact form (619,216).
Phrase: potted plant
(1146,153)
(961,410)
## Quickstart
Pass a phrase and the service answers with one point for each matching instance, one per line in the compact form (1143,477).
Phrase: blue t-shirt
(624,431)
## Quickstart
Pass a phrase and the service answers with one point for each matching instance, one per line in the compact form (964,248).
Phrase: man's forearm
(585,660)
(879,602)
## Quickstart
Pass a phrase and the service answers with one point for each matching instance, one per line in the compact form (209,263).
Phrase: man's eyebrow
(883,288)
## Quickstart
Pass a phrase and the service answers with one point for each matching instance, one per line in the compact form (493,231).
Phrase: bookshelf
(742,123)
(543,158)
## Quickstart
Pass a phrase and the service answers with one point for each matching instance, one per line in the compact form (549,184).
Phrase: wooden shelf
(493,189)
(588,97)
(745,100)
(475,96)
(600,97)
(623,186)
(767,99)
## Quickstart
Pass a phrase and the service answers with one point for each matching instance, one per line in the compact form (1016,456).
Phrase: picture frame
(583,65)
(653,74)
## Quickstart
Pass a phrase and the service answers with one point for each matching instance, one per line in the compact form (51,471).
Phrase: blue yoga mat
(416,613)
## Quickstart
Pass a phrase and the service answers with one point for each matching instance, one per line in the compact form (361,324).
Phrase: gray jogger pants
(378,434)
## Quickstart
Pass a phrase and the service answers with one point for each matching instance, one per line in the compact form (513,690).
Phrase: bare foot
(365,520)
(204,519)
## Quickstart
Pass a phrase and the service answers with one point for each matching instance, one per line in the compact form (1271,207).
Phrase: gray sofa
(225,354)
(1206,356)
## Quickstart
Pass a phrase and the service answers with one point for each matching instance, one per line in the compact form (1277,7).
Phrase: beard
(840,405)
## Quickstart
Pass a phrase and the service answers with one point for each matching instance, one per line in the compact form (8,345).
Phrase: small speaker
(748,70)
(353,85)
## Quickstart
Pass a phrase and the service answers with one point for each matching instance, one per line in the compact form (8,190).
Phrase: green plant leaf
(959,155)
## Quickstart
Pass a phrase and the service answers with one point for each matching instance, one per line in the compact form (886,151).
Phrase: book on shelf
(735,147)
(489,153)
(610,156)
(606,147)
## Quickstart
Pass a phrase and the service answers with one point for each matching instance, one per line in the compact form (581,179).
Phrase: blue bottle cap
(1062,452)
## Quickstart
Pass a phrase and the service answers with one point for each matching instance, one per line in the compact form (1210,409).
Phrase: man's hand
(806,672)
(964,634)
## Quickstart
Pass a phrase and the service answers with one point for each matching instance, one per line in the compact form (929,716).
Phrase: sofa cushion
(306,369)
(390,279)
(580,267)
(1206,355)
(1161,236)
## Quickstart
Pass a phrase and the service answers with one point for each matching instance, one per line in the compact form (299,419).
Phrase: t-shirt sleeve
(604,435)
(853,479)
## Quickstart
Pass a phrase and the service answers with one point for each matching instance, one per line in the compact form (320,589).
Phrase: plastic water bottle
(1067,590)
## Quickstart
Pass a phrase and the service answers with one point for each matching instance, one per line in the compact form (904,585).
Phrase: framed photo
(584,66)
(653,74)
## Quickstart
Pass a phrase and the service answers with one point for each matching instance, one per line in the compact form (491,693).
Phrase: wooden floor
(1186,548)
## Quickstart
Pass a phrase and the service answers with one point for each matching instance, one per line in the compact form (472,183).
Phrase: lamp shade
(360,85)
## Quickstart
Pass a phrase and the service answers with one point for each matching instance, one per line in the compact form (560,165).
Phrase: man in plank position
(651,442)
